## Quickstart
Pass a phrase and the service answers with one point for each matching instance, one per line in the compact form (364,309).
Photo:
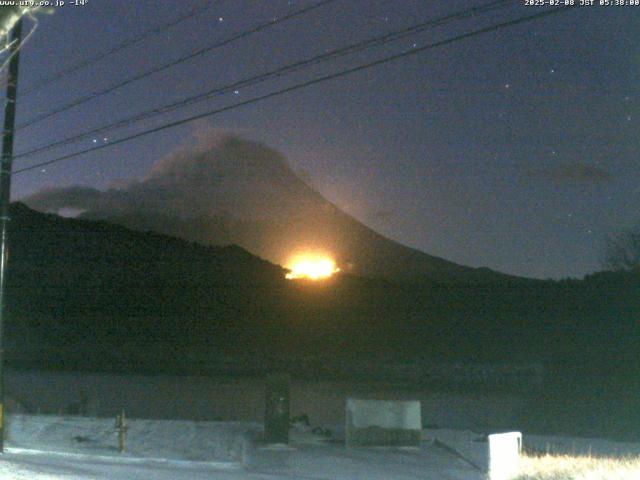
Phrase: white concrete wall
(393,414)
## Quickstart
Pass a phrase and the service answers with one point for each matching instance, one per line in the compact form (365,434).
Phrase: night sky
(517,150)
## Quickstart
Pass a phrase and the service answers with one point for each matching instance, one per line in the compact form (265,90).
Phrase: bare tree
(623,251)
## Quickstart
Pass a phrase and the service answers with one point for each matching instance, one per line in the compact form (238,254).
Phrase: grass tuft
(565,467)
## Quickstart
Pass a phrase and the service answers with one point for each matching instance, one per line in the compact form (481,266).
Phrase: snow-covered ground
(51,447)
(17,464)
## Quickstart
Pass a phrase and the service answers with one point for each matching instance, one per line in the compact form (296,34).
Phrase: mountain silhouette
(236,191)
(78,285)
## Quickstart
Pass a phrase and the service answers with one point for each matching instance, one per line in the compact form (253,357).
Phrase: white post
(504,455)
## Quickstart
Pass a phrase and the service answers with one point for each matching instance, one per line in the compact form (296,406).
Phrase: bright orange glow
(311,266)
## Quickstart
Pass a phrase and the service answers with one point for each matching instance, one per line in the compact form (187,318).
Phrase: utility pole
(6,163)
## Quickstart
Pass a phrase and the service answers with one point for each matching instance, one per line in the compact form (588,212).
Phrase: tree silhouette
(623,251)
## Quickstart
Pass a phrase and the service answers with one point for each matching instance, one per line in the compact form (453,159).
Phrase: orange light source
(311,266)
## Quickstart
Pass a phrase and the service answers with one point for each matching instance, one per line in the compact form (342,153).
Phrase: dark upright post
(6,163)
(276,418)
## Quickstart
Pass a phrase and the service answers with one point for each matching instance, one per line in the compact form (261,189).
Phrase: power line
(121,46)
(173,63)
(306,84)
(286,69)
